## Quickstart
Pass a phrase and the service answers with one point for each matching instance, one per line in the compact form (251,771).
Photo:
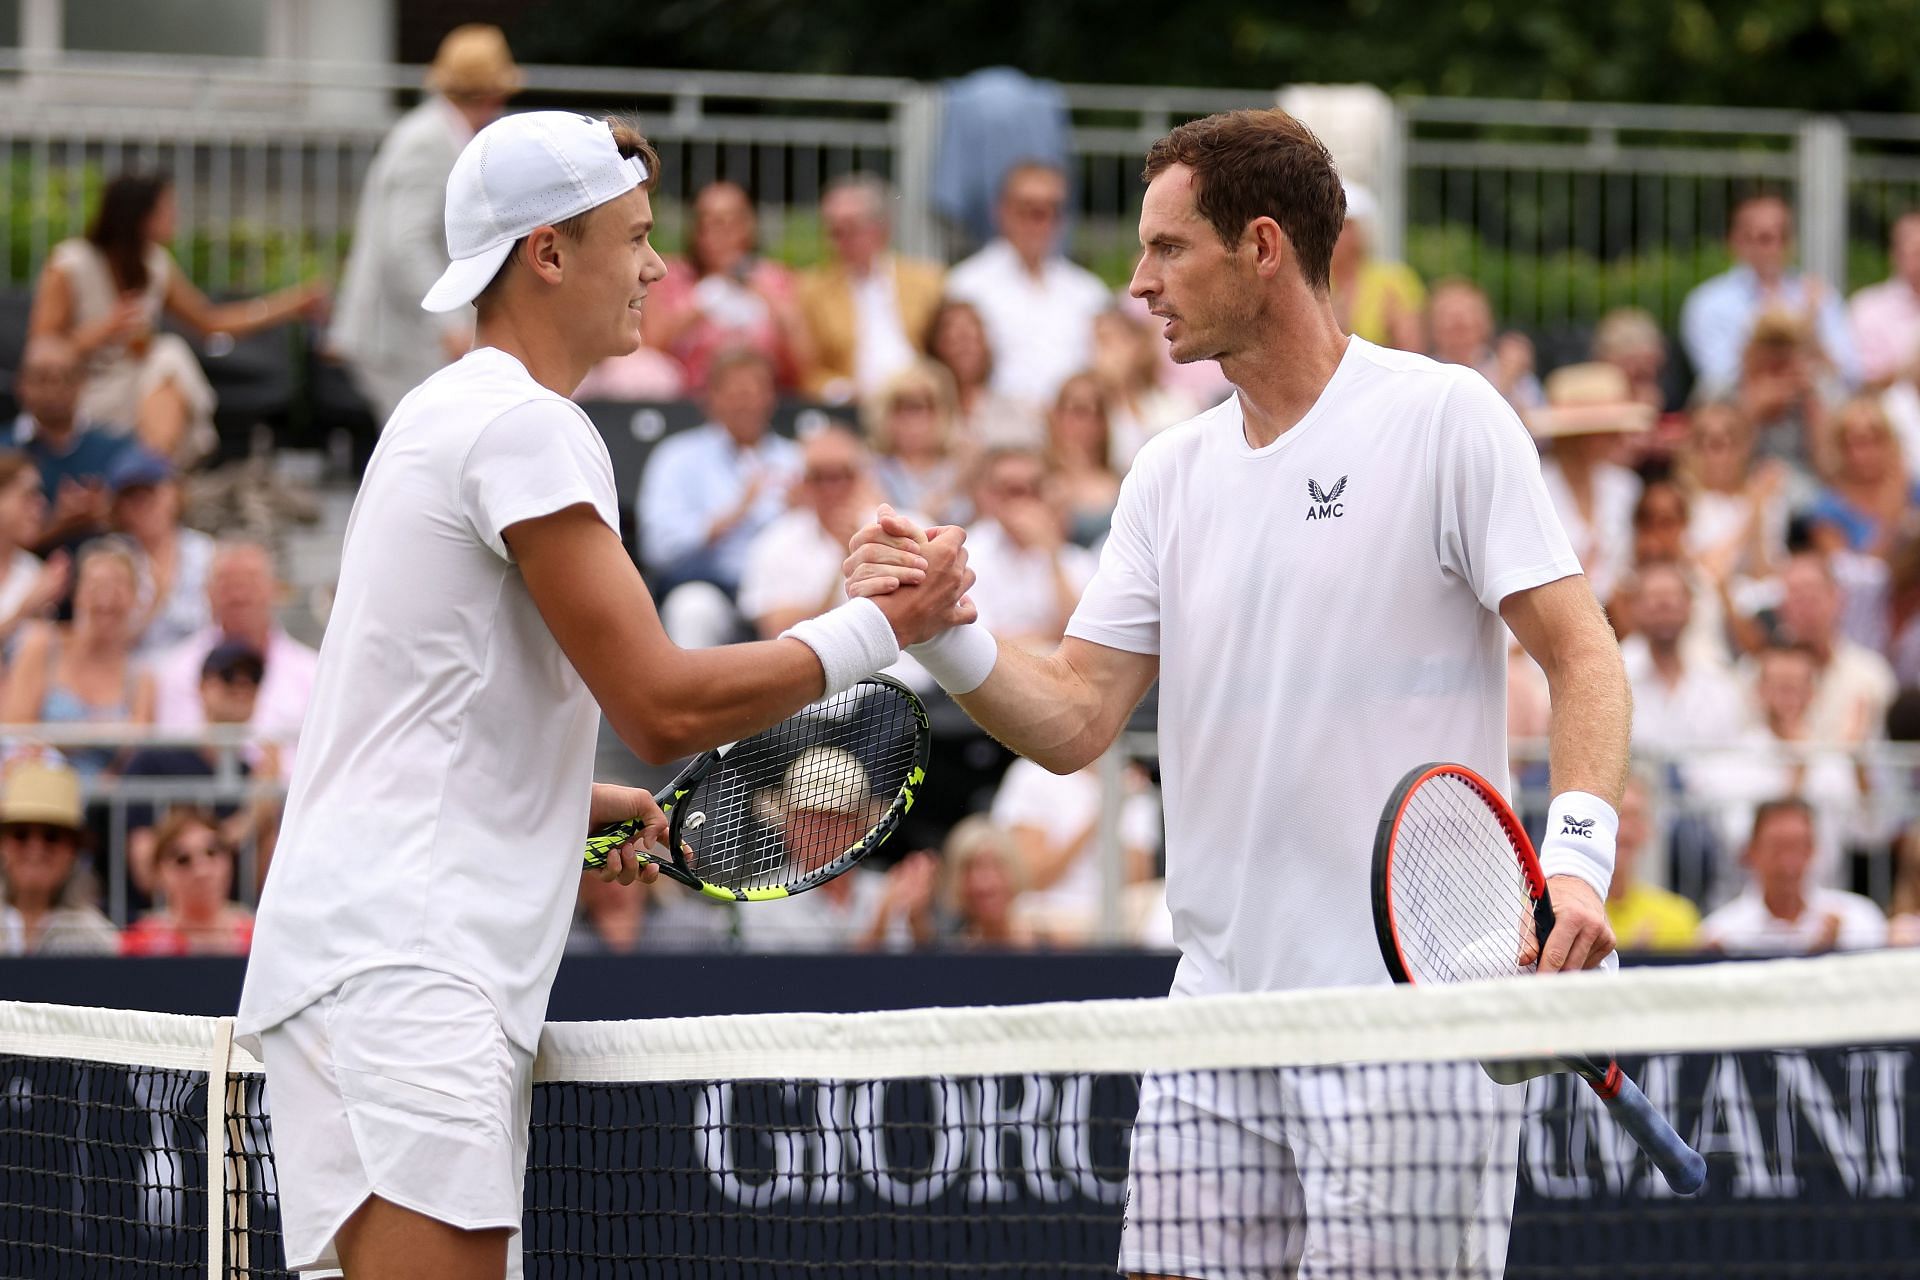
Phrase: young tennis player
(1317,571)
(487,615)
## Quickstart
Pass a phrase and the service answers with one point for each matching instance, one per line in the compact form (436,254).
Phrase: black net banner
(1073,1140)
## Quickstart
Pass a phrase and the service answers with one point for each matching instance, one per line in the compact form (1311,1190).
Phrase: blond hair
(1829,449)
(923,375)
(974,837)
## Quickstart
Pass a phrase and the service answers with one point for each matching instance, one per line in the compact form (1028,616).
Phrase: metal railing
(111,800)
(268,157)
(1562,210)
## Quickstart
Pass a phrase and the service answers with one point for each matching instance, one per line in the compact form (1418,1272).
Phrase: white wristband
(1581,832)
(960,658)
(852,642)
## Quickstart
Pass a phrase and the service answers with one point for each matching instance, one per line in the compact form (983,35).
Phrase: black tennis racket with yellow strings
(1459,896)
(787,810)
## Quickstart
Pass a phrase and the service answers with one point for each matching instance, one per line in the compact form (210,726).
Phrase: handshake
(918,577)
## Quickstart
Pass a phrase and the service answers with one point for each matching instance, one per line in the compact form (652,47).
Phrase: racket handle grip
(608,837)
(1684,1168)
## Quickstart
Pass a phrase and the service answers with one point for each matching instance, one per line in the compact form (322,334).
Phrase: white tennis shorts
(399,1083)
(1320,1173)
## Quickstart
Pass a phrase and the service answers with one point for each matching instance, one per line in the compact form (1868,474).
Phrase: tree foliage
(1822,55)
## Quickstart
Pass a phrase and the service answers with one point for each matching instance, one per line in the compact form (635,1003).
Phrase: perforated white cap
(521,172)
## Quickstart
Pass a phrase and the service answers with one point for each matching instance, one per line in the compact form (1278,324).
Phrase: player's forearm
(1041,707)
(1591,719)
(711,696)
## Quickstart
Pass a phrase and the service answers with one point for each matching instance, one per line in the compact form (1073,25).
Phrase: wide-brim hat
(1589,400)
(44,791)
(474,62)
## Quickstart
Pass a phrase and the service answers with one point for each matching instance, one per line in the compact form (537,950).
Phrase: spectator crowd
(1743,501)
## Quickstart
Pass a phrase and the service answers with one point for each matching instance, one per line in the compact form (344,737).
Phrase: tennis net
(1328,1134)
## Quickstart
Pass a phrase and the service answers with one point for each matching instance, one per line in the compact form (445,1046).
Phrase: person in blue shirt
(1719,313)
(707,492)
(72,456)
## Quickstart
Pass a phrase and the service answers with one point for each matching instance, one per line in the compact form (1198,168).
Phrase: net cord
(1834,1000)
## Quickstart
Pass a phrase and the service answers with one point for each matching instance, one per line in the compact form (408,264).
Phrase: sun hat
(522,172)
(1589,400)
(43,791)
(473,61)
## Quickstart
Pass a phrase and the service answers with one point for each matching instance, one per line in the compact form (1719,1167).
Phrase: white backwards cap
(521,172)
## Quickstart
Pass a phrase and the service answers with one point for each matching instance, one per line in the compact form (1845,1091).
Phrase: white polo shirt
(440,800)
(1040,327)
(1324,609)
(1746,925)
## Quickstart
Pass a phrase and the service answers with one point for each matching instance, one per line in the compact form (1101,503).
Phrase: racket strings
(1460,899)
(784,806)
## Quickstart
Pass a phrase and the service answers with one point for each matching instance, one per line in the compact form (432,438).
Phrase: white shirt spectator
(285,688)
(1604,544)
(793,563)
(1067,808)
(185,609)
(1852,695)
(880,348)
(1746,925)
(1705,707)
(1041,330)
(1016,593)
(23,570)
(1737,776)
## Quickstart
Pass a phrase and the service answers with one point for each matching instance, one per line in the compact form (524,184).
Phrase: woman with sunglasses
(193,868)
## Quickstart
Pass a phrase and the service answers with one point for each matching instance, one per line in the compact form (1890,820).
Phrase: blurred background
(899,244)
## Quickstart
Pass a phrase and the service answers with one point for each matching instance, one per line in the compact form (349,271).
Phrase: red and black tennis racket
(1458,896)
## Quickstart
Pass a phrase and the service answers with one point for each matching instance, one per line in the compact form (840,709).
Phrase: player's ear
(542,253)
(1272,251)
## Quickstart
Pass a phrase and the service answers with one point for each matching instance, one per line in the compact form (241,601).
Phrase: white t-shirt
(880,348)
(440,800)
(1314,646)
(1745,924)
(1040,329)
(1067,807)
(1605,546)
(1707,707)
(1017,592)
(793,563)
(22,571)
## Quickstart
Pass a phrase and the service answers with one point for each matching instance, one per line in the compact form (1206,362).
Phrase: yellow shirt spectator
(1645,918)
(1381,291)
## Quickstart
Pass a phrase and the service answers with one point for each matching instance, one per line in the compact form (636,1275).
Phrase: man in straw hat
(1316,571)
(1589,407)
(388,343)
(487,613)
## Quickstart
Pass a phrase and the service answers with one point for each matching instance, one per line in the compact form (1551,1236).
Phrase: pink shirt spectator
(733,313)
(645,375)
(1886,325)
(277,712)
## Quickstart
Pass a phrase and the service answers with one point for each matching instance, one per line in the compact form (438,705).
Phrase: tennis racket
(787,810)
(1458,896)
